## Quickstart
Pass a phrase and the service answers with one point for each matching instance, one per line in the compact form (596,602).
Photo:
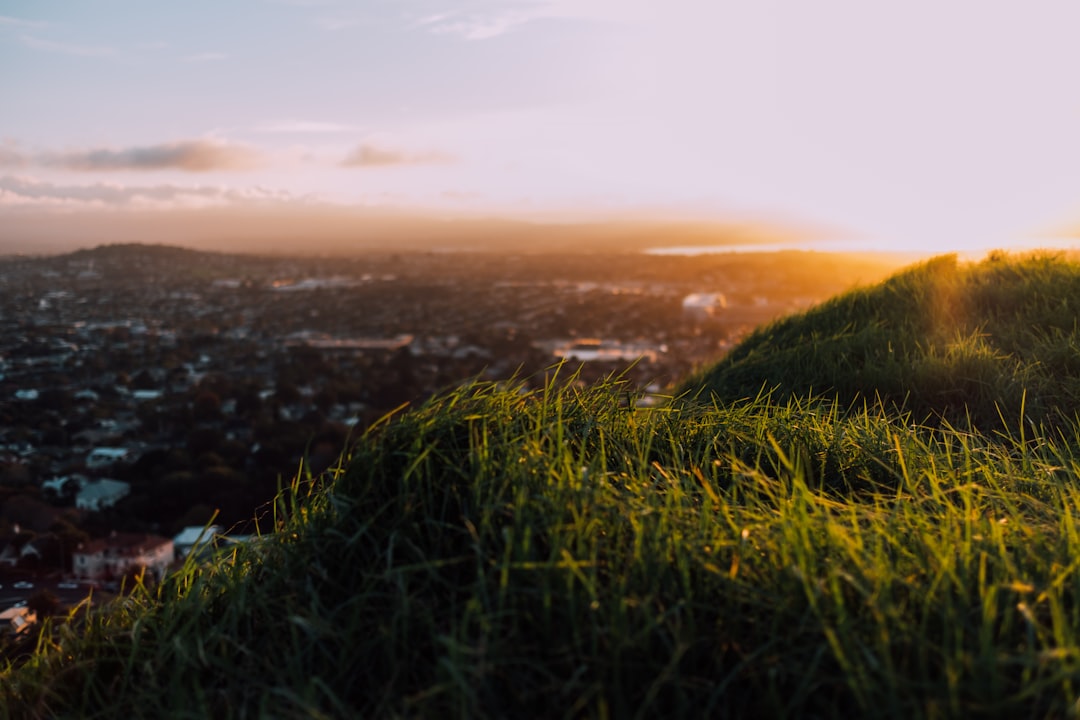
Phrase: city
(147,391)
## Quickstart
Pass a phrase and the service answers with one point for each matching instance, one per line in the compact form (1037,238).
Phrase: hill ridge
(942,339)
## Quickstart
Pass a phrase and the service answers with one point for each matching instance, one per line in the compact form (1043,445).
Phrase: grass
(563,553)
(964,342)
(557,553)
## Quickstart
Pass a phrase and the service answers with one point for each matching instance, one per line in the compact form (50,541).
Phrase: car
(23,585)
(67,586)
(21,603)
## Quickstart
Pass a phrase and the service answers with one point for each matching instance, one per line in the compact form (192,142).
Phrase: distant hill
(941,339)
(128,251)
(338,231)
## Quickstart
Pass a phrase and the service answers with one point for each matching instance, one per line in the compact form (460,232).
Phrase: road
(9,595)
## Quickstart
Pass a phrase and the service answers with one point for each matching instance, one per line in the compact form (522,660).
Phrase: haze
(918,126)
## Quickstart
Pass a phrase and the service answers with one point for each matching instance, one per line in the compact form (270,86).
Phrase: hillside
(560,552)
(941,340)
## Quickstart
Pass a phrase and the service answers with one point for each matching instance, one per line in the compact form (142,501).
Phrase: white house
(595,349)
(63,485)
(101,457)
(101,493)
(109,558)
(192,535)
(144,395)
(703,305)
(16,546)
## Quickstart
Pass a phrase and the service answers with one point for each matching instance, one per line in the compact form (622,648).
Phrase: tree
(286,392)
(143,380)
(43,604)
(203,440)
(248,401)
(68,537)
(206,406)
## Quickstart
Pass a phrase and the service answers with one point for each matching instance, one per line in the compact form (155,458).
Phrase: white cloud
(485,20)
(19,22)
(29,193)
(67,48)
(480,25)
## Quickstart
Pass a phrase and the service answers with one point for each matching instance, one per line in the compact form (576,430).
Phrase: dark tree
(44,604)
(206,406)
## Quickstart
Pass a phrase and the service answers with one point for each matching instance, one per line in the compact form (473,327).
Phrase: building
(194,535)
(595,349)
(100,494)
(103,457)
(15,547)
(110,558)
(65,486)
(703,305)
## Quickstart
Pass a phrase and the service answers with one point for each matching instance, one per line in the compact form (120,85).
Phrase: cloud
(476,25)
(480,20)
(11,156)
(19,22)
(67,48)
(188,155)
(370,155)
(28,193)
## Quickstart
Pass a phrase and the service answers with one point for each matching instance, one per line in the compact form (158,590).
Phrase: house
(102,457)
(101,493)
(595,349)
(194,535)
(65,486)
(144,395)
(703,305)
(110,558)
(17,545)
(17,620)
(14,551)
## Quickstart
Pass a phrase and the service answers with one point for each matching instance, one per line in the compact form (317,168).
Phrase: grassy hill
(562,553)
(942,340)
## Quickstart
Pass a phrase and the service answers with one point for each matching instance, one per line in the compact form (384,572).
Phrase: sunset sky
(920,124)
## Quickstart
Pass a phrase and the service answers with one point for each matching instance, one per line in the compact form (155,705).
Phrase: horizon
(917,129)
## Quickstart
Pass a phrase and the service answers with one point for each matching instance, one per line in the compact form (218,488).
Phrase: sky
(919,125)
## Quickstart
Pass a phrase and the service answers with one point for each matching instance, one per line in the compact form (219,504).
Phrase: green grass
(557,554)
(964,342)
(561,553)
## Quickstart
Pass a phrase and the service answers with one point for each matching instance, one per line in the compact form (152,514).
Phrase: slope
(943,340)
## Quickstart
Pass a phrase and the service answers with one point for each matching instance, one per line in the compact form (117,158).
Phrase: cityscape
(153,396)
